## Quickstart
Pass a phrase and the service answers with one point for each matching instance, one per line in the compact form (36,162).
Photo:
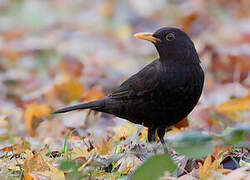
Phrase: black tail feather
(90,105)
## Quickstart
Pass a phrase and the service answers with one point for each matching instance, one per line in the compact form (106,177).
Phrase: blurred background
(55,53)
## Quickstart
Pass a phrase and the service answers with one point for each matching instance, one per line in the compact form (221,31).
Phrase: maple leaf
(33,116)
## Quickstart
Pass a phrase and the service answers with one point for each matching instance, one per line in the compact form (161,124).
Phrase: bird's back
(162,94)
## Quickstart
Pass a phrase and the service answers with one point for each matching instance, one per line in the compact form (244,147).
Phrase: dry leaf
(94,94)
(79,152)
(20,148)
(106,147)
(69,90)
(4,128)
(206,170)
(35,163)
(233,107)
(127,163)
(127,130)
(241,173)
(53,173)
(33,116)
(71,65)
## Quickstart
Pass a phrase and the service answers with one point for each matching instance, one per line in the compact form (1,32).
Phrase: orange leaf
(33,116)
(27,176)
(21,147)
(233,107)
(94,94)
(205,170)
(68,91)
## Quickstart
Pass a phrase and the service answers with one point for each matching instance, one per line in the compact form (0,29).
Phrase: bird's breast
(180,90)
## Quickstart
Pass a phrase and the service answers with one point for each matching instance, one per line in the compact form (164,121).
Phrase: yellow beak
(147,36)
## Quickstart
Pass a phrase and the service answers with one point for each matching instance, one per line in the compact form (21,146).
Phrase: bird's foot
(152,147)
(165,148)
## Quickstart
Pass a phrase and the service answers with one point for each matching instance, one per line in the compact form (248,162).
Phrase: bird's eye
(170,36)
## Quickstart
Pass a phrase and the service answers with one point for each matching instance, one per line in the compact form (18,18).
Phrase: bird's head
(172,44)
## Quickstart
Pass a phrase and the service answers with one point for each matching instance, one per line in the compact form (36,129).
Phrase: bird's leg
(151,137)
(151,134)
(161,133)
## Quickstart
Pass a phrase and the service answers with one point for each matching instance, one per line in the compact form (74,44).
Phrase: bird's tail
(90,105)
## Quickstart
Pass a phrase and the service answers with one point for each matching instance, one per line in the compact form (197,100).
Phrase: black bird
(163,92)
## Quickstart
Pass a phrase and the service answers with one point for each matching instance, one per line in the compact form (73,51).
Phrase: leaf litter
(54,54)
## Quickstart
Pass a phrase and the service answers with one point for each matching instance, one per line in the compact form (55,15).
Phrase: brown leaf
(71,65)
(36,163)
(20,148)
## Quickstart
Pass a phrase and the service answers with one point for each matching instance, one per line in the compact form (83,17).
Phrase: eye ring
(170,37)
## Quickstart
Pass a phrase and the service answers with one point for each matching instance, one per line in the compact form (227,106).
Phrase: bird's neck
(183,56)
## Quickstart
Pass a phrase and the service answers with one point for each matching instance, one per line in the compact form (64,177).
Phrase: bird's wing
(140,84)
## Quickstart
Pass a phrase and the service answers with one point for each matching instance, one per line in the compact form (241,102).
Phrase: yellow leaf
(79,152)
(128,129)
(105,148)
(205,170)
(33,117)
(53,173)
(233,107)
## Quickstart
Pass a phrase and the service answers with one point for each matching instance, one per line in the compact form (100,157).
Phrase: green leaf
(236,136)
(154,167)
(192,144)
(68,165)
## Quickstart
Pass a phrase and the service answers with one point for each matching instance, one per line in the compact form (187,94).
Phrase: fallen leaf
(241,173)
(106,147)
(206,170)
(69,90)
(127,130)
(94,94)
(233,107)
(20,147)
(34,115)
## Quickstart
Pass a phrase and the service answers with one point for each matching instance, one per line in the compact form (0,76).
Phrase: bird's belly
(164,108)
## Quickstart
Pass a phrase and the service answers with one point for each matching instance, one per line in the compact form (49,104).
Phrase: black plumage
(163,92)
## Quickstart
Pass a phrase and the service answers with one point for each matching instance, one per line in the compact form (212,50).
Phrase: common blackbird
(163,92)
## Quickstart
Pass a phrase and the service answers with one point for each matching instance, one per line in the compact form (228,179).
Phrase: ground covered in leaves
(55,53)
